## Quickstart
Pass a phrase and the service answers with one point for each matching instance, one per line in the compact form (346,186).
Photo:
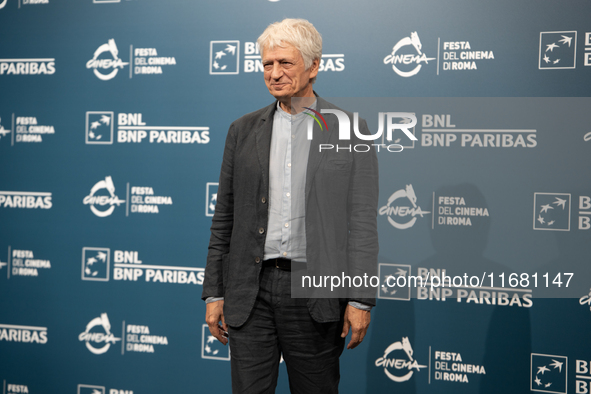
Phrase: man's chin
(280,95)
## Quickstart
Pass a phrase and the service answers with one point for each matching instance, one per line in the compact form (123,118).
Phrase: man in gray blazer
(288,206)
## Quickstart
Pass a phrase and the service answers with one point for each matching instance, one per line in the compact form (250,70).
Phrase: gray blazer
(341,210)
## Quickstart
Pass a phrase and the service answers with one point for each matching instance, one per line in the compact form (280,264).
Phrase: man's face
(285,73)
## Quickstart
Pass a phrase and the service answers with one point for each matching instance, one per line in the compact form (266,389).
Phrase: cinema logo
(451,367)
(25,200)
(32,66)
(97,336)
(410,57)
(407,57)
(131,128)
(127,266)
(224,59)
(101,203)
(401,205)
(23,263)
(137,338)
(139,199)
(23,334)
(106,63)
(398,361)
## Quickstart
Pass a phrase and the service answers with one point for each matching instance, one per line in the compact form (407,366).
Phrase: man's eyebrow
(279,60)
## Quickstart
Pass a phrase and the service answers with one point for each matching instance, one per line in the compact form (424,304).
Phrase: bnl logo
(95,264)
(99,127)
(90,389)
(224,57)
(558,50)
(548,373)
(552,211)
(389,279)
(211,348)
(211,198)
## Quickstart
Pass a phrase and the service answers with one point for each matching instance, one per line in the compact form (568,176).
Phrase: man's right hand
(214,314)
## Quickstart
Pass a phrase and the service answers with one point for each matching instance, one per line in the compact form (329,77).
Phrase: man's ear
(314,68)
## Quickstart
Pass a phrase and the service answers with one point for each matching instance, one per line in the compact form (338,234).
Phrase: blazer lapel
(315,157)
(263,134)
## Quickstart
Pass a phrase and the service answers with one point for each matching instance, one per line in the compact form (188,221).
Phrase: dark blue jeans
(279,324)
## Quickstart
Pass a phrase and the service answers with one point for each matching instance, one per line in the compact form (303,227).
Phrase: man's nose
(277,71)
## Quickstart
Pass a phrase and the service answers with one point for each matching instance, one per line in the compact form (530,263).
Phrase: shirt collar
(296,117)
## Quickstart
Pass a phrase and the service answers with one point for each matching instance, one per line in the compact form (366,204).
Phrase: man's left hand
(358,320)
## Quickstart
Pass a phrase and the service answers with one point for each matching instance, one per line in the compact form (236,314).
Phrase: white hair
(297,32)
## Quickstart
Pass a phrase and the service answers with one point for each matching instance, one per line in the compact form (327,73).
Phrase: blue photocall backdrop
(113,117)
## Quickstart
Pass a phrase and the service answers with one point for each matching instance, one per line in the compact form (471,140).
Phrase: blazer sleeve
(363,246)
(222,223)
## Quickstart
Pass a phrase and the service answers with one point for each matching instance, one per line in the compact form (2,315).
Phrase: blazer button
(261,230)
(257,260)
(263,200)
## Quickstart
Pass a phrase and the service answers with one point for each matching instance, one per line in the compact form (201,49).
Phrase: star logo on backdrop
(99,127)
(552,211)
(96,124)
(224,57)
(392,275)
(557,50)
(548,373)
